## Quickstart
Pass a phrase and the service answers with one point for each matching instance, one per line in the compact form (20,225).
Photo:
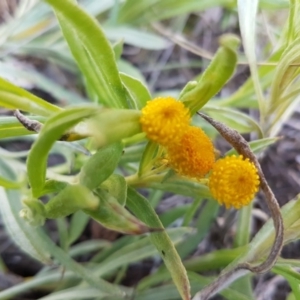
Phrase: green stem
(151,177)
(191,212)
(140,137)
(243,226)
(136,181)
(242,238)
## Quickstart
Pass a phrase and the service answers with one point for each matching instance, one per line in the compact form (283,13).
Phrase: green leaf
(292,27)
(137,90)
(53,129)
(62,230)
(41,81)
(78,223)
(52,186)
(92,52)
(257,146)
(71,199)
(190,213)
(136,37)
(147,11)
(203,224)
(132,153)
(112,125)
(171,215)
(291,276)
(11,127)
(111,214)
(13,97)
(263,240)
(234,119)
(228,293)
(8,184)
(76,293)
(136,250)
(36,282)
(284,72)
(148,155)
(28,238)
(283,98)
(127,68)
(100,166)
(291,296)
(118,49)
(167,291)
(116,186)
(274,4)
(214,260)
(183,187)
(215,76)
(63,258)
(247,10)
(8,178)
(142,208)
(115,246)
(242,238)
(88,246)
(245,97)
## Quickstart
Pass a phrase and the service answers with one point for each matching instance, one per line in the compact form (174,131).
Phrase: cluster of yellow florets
(193,155)
(233,181)
(166,121)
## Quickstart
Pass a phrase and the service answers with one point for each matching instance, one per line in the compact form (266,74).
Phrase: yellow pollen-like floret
(194,155)
(164,120)
(234,181)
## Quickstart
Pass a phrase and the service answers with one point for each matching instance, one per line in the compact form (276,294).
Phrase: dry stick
(242,147)
(30,125)
(36,126)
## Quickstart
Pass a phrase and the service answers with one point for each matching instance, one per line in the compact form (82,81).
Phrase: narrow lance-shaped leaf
(136,250)
(53,129)
(10,127)
(234,119)
(14,97)
(147,157)
(25,236)
(111,214)
(138,91)
(116,186)
(284,73)
(247,10)
(100,166)
(214,77)
(65,260)
(257,146)
(142,208)
(70,200)
(113,125)
(92,52)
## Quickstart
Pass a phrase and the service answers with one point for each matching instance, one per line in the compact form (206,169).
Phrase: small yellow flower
(234,181)
(164,120)
(194,155)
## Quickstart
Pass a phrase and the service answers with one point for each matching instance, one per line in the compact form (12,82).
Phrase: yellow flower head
(164,120)
(234,181)
(194,155)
